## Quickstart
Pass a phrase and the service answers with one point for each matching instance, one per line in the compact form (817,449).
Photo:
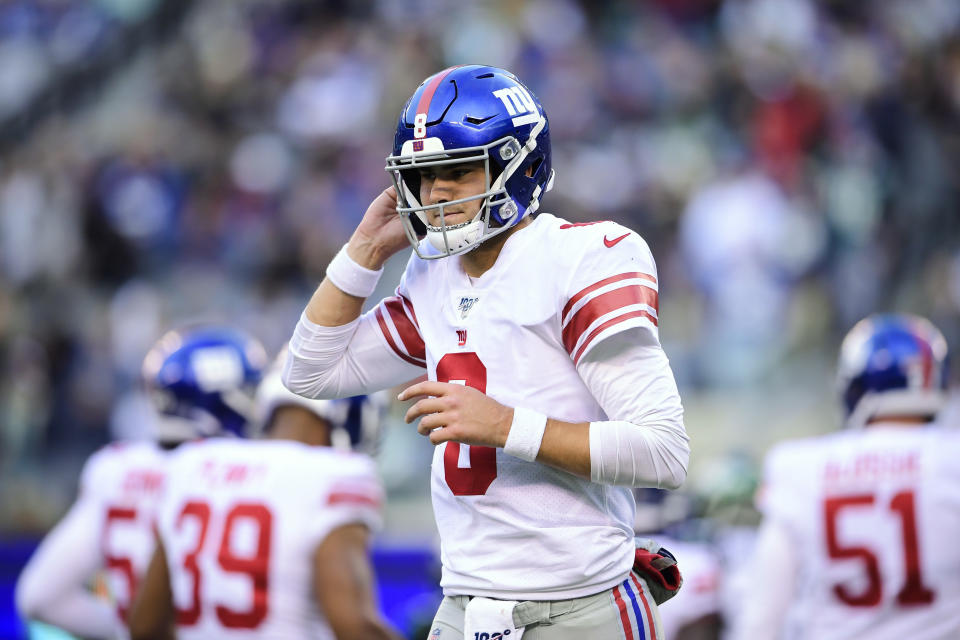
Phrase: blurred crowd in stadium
(793,165)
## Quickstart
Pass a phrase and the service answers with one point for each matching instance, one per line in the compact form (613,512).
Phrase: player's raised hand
(457,412)
(380,233)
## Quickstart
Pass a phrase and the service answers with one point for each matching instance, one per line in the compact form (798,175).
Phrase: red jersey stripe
(583,292)
(607,325)
(624,616)
(408,331)
(409,307)
(603,304)
(393,345)
(348,497)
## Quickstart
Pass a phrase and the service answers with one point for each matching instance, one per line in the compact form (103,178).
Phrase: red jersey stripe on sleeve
(606,325)
(406,327)
(353,497)
(602,283)
(604,304)
(408,306)
(385,330)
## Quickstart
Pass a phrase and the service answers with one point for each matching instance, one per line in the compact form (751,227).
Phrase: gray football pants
(625,612)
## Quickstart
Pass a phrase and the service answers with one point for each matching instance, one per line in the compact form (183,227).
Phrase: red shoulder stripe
(408,330)
(385,330)
(353,497)
(602,283)
(603,304)
(608,324)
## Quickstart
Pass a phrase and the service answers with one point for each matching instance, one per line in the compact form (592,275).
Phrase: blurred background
(793,164)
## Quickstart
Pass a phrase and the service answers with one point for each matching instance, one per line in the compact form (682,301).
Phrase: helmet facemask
(502,160)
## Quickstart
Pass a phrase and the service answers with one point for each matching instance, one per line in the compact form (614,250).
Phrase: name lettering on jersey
(216,473)
(873,466)
(143,481)
(519,103)
(461,337)
(466,305)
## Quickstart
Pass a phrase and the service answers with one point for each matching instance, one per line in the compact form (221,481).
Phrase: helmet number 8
(420,125)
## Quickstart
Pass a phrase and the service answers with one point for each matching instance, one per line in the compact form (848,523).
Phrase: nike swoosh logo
(610,243)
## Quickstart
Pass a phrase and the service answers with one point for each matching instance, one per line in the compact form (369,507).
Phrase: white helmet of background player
(355,422)
(467,114)
(892,365)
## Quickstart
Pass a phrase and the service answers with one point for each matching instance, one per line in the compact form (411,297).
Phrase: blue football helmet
(468,114)
(205,376)
(355,423)
(892,365)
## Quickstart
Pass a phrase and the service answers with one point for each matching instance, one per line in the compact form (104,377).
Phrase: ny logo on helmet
(519,103)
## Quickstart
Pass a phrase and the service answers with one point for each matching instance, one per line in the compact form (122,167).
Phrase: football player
(268,538)
(860,527)
(548,394)
(109,528)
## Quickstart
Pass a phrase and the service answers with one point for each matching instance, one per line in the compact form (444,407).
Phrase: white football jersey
(517,333)
(875,517)
(240,523)
(123,483)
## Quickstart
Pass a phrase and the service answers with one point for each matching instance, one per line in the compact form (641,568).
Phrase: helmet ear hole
(534,167)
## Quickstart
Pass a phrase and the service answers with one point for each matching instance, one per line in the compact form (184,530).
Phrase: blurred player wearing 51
(860,529)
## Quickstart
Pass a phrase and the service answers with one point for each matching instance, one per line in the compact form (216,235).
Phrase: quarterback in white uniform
(548,393)
(860,530)
(108,529)
(268,538)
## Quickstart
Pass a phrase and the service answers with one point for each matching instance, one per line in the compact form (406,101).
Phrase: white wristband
(526,433)
(350,277)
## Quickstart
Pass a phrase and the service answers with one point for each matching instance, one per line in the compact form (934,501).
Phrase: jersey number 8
(468,470)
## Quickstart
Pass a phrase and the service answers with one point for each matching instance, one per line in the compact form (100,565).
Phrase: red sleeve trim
(607,325)
(406,327)
(604,304)
(348,497)
(385,330)
(602,283)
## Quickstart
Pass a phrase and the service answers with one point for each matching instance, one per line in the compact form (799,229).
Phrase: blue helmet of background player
(355,423)
(471,113)
(892,365)
(205,376)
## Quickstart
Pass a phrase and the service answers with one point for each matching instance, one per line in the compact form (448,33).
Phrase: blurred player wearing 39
(860,529)
(548,394)
(109,529)
(269,538)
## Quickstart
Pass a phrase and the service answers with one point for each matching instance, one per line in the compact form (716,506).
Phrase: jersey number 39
(254,565)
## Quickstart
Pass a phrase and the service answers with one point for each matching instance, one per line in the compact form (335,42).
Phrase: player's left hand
(457,412)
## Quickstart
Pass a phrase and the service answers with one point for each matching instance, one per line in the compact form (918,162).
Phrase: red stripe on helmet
(423,106)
